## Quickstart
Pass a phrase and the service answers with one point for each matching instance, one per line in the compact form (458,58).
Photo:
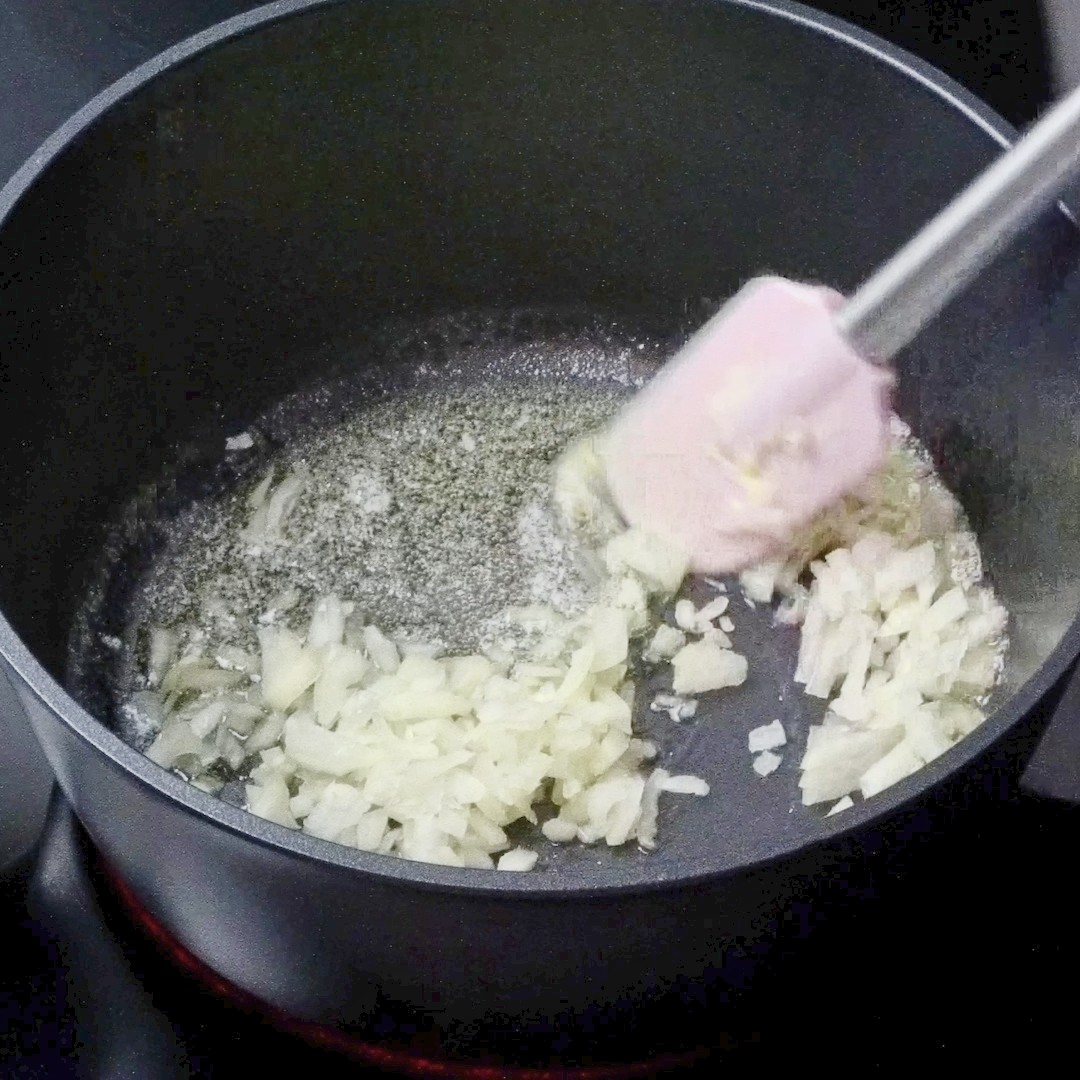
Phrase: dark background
(958,958)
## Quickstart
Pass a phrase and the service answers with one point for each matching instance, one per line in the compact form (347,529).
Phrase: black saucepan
(277,198)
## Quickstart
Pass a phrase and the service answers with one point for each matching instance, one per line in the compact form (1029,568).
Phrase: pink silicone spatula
(780,404)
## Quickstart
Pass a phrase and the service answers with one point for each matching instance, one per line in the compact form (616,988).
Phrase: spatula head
(764,418)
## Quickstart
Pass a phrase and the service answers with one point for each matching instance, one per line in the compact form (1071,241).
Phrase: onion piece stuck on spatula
(780,404)
(767,416)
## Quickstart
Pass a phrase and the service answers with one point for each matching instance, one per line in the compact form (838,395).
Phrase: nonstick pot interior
(207,245)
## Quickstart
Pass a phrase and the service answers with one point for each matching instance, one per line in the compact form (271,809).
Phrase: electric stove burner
(953,954)
(94,989)
(401,1061)
(113,985)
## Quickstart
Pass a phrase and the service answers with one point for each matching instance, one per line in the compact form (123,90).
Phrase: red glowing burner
(400,1061)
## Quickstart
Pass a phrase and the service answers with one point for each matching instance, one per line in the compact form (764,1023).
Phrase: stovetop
(952,957)
(957,957)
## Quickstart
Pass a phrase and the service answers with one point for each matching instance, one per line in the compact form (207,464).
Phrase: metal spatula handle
(906,292)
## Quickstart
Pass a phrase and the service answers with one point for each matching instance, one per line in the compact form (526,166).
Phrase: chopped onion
(704,665)
(243,441)
(665,643)
(176,743)
(163,645)
(677,708)
(887,631)
(650,808)
(767,763)
(288,669)
(383,652)
(712,610)
(270,800)
(684,785)
(282,503)
(660,565)
(517,859)
(759,582)
(328,622)
(901,761)
(767,737)
(686,616)
(609,636)
(390,746)
(559,831)
(198,673)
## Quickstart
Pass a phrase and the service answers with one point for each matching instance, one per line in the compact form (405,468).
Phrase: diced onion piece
(340,808)
(767,737)
(163,645)
(684,785)
(205,720)
(581,494)
(229,748)
(678,708)
(266,733)
(559,831)
(241,717)
(704,665)
(580,665)
(759,582)
(904,570)
(198,673)
(270,799)
(648,822)
(288,669)
(837,756)
(176,742)
(467,674)
(664,644)
(609,638)
(767,763)
(925,733)
(342,668)
(283,502)
(658,562)
(686,616)
(371,830)
(383,652)
(712,611)
(327,622)
(517,859)
(314,747)
(949,608)
(718,637)
(411,705)
(901,761)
